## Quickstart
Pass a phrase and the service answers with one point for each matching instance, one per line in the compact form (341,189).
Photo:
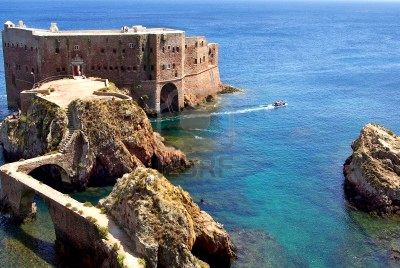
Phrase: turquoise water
(272,177)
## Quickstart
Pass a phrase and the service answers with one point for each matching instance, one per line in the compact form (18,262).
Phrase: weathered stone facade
(161,66)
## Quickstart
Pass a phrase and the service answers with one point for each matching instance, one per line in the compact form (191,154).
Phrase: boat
(279,103)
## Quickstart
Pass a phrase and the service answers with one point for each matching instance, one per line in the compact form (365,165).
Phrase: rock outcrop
(38,132)
(117,133)
(122,138)
(372,172)
(166,227)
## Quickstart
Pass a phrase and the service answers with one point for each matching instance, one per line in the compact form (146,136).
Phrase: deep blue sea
(272,177)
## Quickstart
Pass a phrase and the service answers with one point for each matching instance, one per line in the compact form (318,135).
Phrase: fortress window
(17,44)
(173,49)
(63,69)
(151,50)
(33,70)
(195,44)
(103,50)
(152,67)
(134,68)
(177,49)
(142,48)
(163,49)
(176,74)
(76,47)
(123,50)
(105,67)
(200,60)
(57,50)
(202,43)
(163,67)
(114,51)
(129,68)
(173,65)
(144,67)
(185,46)
(116,67)
(98,68)
(169,47)
(26,48)
(58,70)
(195,61)
(131,45)
(122,68)
(204,58)
(111,68)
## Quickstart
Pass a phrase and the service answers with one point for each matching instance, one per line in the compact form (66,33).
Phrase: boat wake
(191,116)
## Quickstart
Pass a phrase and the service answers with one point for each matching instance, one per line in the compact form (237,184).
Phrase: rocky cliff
(117,134)
(372,172)
(38,132)
(166,227)
(122,138)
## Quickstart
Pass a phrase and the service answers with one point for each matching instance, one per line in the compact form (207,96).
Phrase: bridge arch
(52,175)
(169,98)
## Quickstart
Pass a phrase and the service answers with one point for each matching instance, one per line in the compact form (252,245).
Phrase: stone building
(160,66)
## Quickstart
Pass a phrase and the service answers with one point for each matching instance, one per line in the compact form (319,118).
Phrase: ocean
(273,177)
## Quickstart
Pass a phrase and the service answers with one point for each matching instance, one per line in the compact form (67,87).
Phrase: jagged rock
(116,137)
(166,227)
(372,174)
(121,138)
(35,133)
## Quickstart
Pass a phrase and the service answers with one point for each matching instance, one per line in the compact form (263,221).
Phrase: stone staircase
(71,129)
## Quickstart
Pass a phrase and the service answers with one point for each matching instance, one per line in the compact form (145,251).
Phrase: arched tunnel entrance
(169,101)
(53,176)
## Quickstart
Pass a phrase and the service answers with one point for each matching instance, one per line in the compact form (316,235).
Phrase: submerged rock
(166,227)
(372,172)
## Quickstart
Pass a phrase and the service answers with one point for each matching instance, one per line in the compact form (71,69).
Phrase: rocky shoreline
(372,172)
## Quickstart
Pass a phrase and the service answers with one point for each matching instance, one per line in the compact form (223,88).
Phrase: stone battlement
(160,67)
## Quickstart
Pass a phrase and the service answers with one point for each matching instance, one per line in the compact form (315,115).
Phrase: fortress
(160,67)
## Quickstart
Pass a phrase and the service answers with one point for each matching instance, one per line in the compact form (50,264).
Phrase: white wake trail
(191,116)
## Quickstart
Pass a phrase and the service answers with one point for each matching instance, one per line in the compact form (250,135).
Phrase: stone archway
(169,99)
(52,175)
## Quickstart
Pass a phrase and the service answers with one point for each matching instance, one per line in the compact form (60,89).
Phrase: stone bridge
(80,230)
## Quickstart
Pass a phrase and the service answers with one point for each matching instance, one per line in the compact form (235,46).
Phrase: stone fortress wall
(162,66)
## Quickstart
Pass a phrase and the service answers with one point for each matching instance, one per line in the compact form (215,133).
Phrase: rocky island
(71,140)
(372,172)
(75,129)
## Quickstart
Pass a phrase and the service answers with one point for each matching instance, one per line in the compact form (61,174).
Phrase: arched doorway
(169,101)
(53,176)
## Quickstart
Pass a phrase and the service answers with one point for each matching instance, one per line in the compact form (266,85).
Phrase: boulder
(166,227)
(372,172)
